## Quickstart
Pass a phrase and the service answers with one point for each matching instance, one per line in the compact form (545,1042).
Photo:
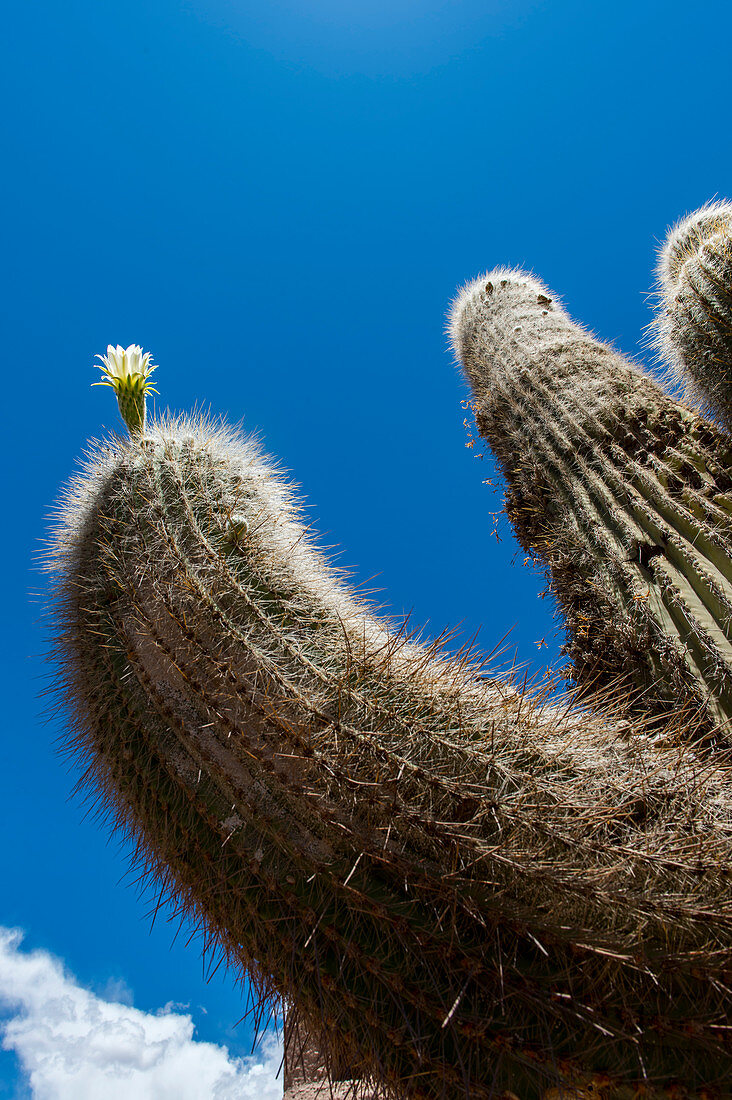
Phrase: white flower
(125,366)
(127,371)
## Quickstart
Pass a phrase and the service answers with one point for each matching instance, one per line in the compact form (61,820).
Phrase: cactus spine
(460,891)
(623,492)
(694,323)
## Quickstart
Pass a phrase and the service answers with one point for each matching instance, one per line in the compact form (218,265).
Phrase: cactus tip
(692,329)
(688,236)
(491,294)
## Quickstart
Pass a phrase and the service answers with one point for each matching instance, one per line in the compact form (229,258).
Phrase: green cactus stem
(459,889)
(625,494)
(693,328)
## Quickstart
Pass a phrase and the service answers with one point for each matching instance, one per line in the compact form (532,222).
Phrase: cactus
(693,328)
(625,494)
(461,890)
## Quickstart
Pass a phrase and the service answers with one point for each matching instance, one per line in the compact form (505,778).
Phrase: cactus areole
(462,891)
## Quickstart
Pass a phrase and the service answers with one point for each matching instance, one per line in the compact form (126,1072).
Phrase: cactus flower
(127,371)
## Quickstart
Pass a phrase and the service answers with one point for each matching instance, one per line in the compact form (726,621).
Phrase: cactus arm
(693,326)
(620,490)
(459,891)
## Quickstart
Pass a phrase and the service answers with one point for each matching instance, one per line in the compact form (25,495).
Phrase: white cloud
(75,1045)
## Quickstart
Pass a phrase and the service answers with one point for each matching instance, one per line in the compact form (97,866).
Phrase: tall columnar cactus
(694,323)
(625,493)
(461,891)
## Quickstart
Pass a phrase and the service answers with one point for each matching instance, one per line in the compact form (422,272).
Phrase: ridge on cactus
(693,327)
(127,371)
(624,493)
(461,889)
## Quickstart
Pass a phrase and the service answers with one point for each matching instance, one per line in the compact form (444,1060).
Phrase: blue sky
(279,200)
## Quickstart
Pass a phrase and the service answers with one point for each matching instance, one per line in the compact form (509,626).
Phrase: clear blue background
(278,200)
